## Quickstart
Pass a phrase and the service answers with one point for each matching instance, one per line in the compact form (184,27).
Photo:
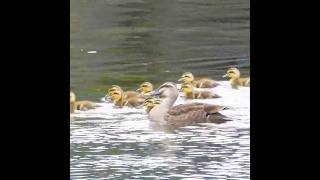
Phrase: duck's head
(116,95)
(112,89)
(72,97)
(166,90)
(232,73)
(145,87)
(187,77)
(186,88)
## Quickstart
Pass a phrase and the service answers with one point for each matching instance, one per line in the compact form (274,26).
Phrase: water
(126,42)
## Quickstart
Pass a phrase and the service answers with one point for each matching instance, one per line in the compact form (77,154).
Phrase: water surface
(126,42)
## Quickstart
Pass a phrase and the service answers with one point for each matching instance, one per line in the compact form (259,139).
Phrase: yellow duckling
(127,94)
(145,87)
(190,93)
(150,102)
(120,99)
(234,75)
(80,105)
(200,83)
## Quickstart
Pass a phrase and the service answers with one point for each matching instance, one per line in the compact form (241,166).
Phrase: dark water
(155,40)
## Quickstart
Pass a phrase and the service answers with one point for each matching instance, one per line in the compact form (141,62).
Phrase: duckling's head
(112,89)
(232,73)
(186,88)
(150,101)
(145,87)
(72,97)
(187,77)
(116,95)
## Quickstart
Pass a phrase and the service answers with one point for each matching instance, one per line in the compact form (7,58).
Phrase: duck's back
(186,114)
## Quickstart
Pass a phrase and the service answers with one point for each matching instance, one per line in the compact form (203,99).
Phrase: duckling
(127,94)
(145,87)
(190,93)
(183,114)
(236,81)
(80,105)
(150,102)
(120,99)
(188,77)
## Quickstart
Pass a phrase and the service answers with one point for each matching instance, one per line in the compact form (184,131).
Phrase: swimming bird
(191,93)
(183,114)
(145,87)
(188,77)
(120,99)
(150,102)
(127,94)
(80,105)
(236,81)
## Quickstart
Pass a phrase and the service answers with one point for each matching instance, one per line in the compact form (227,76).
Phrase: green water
(154,40)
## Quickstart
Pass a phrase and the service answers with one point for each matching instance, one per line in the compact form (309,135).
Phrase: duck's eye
(144,85)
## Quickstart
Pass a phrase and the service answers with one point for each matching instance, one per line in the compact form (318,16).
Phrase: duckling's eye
(144,86)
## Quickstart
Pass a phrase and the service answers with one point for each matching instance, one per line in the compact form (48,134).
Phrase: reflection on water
(126,42)
(104,149)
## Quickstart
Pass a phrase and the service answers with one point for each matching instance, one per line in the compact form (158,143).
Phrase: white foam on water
(238,101)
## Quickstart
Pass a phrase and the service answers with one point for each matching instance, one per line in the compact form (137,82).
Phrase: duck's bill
(226,75)
(139,90)
(180,80)
(153,93)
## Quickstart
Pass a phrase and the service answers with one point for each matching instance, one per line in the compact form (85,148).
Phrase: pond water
(126,42)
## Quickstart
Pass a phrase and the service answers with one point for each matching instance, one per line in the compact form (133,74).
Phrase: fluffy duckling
(145,87)
(150,102)
(80,105)
(236,81)
(120,99)
(183,114)
(190,93)
(200,83)
(127,94)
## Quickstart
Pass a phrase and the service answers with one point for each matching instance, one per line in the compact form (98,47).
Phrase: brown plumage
(184,114)
(187,114)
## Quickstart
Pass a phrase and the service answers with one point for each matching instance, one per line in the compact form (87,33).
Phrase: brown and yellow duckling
(188,77)
(120,99)
(127,94)
(190,93)
(80,105)
(150,102)
(236,81)
(145,87)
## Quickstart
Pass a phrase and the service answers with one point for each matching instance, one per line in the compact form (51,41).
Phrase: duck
(234,75)
(190,93)
(184,114)
(145,87)
(188,77)
(150,102)
(127,94)
(80,105)
(120,99)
